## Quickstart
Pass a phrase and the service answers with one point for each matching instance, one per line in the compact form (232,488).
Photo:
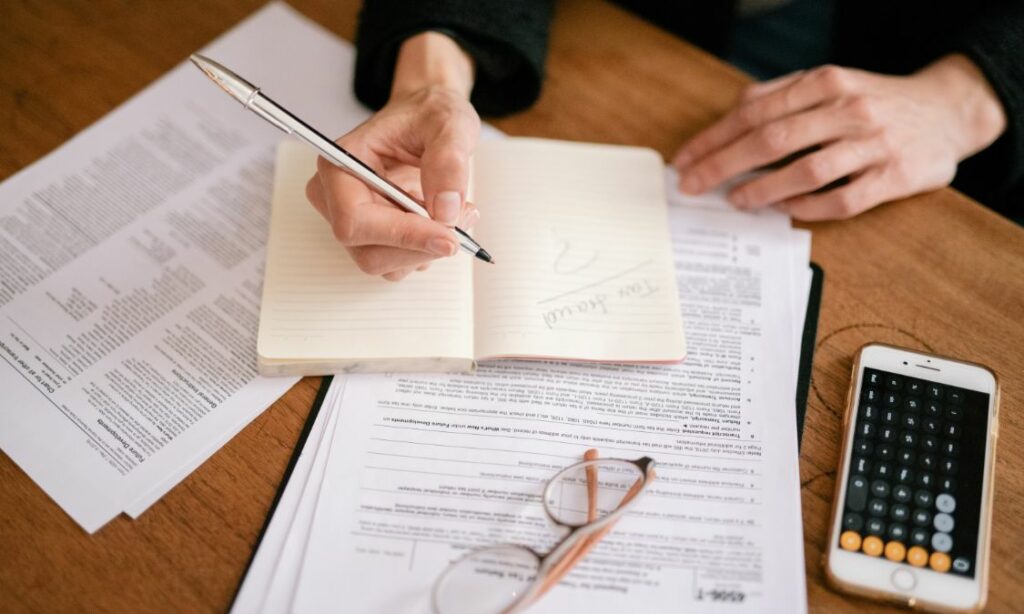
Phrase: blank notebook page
(584,266)
(318,306)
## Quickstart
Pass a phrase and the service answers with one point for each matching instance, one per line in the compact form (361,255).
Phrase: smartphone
(912,514)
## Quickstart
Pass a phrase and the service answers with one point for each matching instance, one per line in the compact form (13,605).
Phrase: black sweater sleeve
(994,40)
(506,38)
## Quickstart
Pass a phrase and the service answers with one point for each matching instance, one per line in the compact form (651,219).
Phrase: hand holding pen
(414,153)
(423,139)
(406,142)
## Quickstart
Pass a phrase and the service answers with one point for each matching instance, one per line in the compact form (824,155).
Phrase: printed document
(130,272)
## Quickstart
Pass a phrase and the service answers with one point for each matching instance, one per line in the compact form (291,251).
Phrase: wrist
(977,117)
(429,60)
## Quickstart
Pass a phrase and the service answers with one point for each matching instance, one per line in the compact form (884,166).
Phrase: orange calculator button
(850,540)
(895,551)
(917,556)
(939,562)
(872,546)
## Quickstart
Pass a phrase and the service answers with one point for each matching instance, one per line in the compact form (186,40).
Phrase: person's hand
(421,140)
(880,137)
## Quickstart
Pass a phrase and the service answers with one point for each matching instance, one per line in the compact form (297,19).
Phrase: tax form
(421,468)
(131,261)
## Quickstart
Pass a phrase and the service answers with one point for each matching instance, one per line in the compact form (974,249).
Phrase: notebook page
(584,267)
(322,314)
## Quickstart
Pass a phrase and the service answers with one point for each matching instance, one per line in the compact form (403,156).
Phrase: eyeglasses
(587,498)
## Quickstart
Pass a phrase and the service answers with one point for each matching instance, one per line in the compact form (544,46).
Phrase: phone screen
(914,489)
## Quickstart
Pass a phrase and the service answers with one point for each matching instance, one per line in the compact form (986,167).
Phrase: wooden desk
(937,272)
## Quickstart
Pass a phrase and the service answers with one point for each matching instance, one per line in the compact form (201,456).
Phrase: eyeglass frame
(576,538)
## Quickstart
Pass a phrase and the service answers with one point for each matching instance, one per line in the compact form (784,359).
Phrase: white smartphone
(911,518)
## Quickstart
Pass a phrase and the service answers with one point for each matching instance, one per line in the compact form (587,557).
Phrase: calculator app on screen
(914,487)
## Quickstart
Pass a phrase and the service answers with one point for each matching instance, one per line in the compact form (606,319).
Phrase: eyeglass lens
(487,581)
(592,490)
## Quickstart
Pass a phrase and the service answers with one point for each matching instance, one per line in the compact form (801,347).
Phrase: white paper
(721,522)
(272,576)
(130,266)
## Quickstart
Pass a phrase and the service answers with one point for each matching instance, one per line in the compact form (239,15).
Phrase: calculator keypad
(902,500)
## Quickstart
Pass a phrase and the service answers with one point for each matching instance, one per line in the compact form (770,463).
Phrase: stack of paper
(131,261)
(402,474)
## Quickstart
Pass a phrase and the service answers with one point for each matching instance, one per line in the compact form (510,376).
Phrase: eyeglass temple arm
(569,560)
(591,455)
(580,550)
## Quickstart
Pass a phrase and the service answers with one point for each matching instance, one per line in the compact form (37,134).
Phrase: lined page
(321,314)
(584,268)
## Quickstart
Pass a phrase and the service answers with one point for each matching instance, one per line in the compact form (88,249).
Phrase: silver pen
(253,99)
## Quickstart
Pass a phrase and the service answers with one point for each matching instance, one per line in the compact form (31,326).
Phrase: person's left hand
(890,137)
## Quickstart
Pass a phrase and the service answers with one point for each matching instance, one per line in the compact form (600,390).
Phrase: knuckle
(835,80)
(345,229)
(450,158)
(748,115)
(887,143)
(863,109)
(369,263)
(708,172)
(846,204)
(817,169)
(749,92)
(774,138)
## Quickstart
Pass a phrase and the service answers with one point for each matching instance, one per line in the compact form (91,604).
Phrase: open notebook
(584,271)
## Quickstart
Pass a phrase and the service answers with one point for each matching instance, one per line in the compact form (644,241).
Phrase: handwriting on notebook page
(608,295)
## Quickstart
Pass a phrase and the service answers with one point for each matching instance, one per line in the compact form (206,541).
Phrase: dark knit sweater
(508,41)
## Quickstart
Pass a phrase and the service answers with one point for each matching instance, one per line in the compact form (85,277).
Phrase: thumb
(444,173)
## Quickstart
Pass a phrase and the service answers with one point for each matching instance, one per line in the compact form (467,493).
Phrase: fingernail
(442,247)
(472,218)
(690,184)
(446,207)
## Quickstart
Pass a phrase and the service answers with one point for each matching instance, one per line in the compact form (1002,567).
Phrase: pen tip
(483,255)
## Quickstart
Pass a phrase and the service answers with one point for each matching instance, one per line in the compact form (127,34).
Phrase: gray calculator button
(943,522)
(853,522)
(898,531)
(961,564)
(919,537)
(942,542)
(874,526)
(857,494)
(945,503)
(922,518)
(880,488)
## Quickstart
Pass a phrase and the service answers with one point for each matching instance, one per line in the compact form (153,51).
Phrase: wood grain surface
(937,272)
